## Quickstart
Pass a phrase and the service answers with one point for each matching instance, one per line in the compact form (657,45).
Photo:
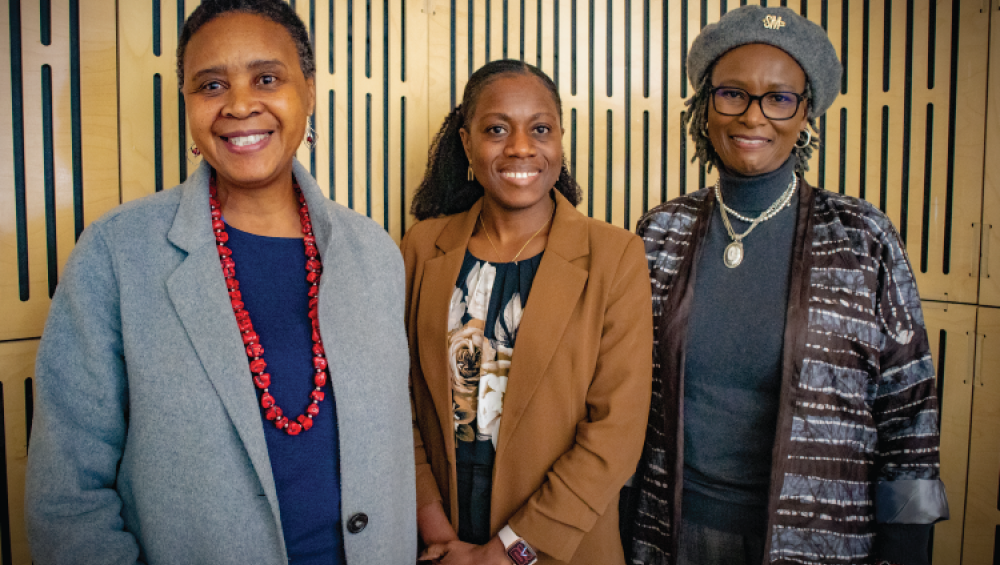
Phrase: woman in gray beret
(794,415)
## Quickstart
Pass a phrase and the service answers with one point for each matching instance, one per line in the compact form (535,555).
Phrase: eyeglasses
(732,101)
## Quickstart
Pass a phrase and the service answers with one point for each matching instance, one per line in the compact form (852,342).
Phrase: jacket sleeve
(73,511)
(909,490)
(427,489)
(608,443)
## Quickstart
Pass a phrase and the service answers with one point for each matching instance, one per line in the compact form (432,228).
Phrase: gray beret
(783,28)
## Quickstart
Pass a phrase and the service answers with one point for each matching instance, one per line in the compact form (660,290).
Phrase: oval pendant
(733,255)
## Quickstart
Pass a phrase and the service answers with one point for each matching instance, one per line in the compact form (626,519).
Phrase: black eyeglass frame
(759,99)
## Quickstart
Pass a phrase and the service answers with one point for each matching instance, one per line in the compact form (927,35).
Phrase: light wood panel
(59,199)
(18,362)
(982,518)
(989,273)
(951,329)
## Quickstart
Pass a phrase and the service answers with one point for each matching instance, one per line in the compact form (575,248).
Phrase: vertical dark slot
(682,166)
(332,118)
(645,161)
(402,166)
(402,41)
(385,114)
(904,205)
(5,548)
(453,59)
(555,41)
(350,104)
(182,154)
(292,2)
(684,51)
(45,21)
(824,16)
(29,406)
(942,351)
(331,38)
(886,45)
(664,114)
(156,28)
(538,36)
(865,40)
(704,14)
(822,151)
(949,195)
(609,170)
(522,31)
(76,115)
(804,8)
(743,2)
(701,174)
(49,174)
(368,155)
(844,18)
(591,23)
(572,143)
(843,151)
(628,113)
(312,150)
(17,117)
(645,48)
(312,23)
(932,42)
(489,29)
(368,38)
(609,67)
(928,169)
(158,131)
(505,22)
(884,169)
(472,35)
(996,544)
(723,7)
(572,47)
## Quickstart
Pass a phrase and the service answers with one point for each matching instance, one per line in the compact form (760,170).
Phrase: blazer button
(357,522)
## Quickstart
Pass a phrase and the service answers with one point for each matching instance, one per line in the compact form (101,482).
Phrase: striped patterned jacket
(857,440)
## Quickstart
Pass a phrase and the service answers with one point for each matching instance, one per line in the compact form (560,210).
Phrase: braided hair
(275,10)
(446,189)
(696,121)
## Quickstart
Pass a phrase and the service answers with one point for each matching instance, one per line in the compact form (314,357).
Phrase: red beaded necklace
(251,340)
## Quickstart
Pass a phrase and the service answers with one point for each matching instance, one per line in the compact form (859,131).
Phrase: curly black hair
(275,10)
(696,120)
(445,189)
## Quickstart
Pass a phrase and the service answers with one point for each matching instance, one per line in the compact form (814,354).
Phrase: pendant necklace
(733,255)
(514,260)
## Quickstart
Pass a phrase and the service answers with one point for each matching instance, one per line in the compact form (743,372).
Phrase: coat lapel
(198,292)
(554,294)
(437,286)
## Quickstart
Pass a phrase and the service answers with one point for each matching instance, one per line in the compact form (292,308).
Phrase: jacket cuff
(917,501)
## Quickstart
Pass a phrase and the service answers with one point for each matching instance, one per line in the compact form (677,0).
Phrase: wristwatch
(517,549)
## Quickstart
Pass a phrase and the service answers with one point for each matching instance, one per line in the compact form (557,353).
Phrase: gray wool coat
(147,442)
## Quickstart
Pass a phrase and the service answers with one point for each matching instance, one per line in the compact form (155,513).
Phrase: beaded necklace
(251,340)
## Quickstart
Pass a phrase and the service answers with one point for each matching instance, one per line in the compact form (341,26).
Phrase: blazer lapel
(554,294)
(198,292)
(437,286)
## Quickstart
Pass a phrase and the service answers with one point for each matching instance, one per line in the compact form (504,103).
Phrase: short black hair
(274,10)
(446,189)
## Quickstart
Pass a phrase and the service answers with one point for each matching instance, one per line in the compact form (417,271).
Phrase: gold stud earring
(470,175)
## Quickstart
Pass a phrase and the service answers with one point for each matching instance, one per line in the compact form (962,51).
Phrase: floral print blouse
(483,319)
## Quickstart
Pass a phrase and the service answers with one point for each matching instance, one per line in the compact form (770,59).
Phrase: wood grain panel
(951,329)
(989,272)
(982,513)
(58,201)
(18,362)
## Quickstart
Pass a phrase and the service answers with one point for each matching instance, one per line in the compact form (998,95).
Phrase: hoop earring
(195,151)
(704,132)
(310,139)
(809,138)
(470,175)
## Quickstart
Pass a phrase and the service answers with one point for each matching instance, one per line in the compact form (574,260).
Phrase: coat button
(357,522)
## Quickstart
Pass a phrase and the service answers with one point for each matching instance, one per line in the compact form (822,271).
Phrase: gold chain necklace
(495,250)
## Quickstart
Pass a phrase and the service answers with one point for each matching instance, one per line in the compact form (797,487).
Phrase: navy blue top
(732,367)
(306,467)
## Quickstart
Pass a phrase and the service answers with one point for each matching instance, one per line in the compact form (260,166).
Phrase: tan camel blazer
(579,385)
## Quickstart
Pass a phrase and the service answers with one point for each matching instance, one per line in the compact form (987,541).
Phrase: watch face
(521,553)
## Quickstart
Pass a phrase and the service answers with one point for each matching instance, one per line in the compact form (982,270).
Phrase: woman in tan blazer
(521,448)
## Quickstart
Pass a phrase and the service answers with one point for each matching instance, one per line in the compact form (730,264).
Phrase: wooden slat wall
(907,132)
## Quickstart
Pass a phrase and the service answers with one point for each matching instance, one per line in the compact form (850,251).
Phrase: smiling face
(514,141)
(752,144)
(247,99)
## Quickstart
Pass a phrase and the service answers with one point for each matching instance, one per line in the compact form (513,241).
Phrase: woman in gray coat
(222,378)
